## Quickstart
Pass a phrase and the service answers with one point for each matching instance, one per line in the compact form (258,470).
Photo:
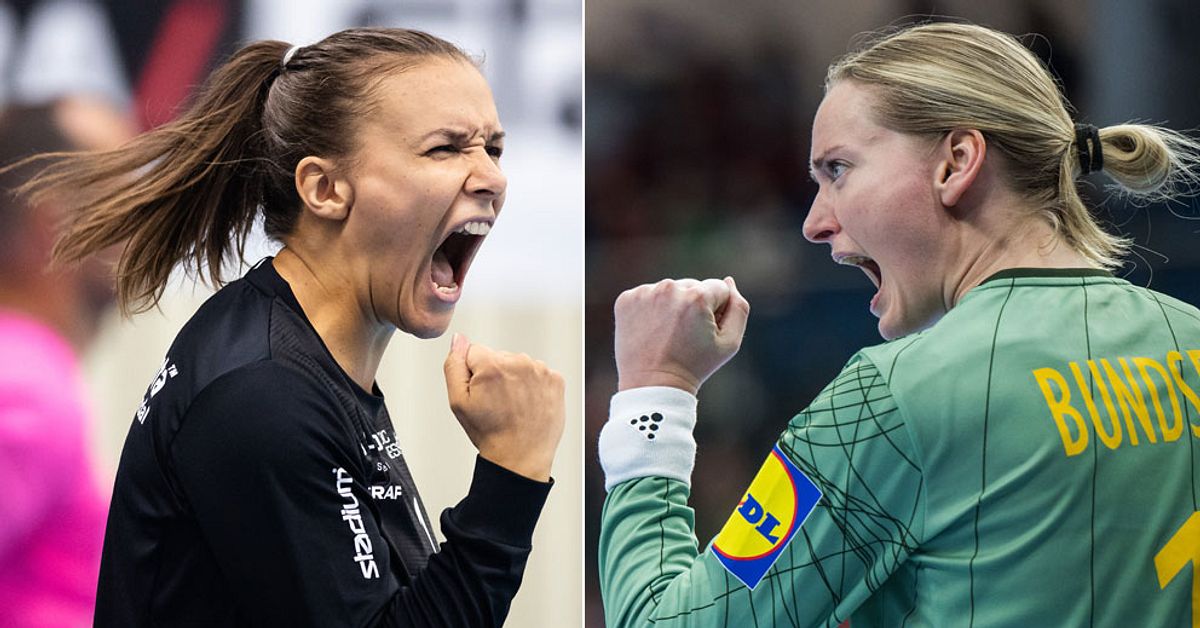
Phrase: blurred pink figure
(53,510)
(52,517)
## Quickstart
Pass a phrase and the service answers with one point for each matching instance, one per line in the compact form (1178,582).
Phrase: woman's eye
(836,169)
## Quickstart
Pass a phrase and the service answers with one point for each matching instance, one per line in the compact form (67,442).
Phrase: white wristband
(649,433)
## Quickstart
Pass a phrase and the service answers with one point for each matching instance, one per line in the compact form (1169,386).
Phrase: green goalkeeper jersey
(1029,460)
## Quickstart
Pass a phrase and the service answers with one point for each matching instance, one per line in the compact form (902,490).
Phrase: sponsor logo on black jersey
(385,441)
(165,372)
(364,552)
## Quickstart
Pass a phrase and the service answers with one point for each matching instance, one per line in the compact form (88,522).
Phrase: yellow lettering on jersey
(1128,401)
(1188,393)
(1182,548)
(1176,429)
(1137,385)
(1060,408)
(1110,440)
(1194,354)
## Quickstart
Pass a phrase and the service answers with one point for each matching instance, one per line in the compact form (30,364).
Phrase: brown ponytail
(188,192)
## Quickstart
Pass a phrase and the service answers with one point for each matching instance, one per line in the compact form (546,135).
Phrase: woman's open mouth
(868,266)
(873,272)
(452,258)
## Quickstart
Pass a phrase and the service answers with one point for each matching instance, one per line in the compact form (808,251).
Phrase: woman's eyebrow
(459,135)
(453,135)
(818,162)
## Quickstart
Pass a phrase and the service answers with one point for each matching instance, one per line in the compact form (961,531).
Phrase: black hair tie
(1087,145)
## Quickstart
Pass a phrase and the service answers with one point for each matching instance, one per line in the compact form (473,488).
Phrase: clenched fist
(677,332)
(510,405)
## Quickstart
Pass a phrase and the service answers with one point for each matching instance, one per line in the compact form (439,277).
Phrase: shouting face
(427,188)
(878,209)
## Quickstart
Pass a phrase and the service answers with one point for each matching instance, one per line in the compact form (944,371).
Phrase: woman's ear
(961,155)
(323,189)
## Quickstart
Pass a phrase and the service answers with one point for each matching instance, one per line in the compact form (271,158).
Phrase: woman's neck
(354,337)
(993,246)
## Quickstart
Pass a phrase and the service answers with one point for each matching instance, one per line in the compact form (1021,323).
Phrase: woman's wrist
(519,460)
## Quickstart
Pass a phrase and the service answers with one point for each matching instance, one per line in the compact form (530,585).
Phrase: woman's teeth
(478,228)
(868,265)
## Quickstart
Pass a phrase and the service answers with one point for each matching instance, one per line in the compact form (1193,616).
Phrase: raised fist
(510,405)
(677,332)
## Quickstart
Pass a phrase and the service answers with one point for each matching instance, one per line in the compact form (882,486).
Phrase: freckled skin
(877,199)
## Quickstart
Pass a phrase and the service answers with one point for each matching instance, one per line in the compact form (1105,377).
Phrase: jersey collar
(1019,273)
(264,276)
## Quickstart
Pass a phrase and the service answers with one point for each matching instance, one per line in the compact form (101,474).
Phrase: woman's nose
(820,225)
(486,180)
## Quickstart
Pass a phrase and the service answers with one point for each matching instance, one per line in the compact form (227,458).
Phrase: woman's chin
(891,321)
(427,325)
(894,323)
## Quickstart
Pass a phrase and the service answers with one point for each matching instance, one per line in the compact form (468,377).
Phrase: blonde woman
(1020,453)
(261,483)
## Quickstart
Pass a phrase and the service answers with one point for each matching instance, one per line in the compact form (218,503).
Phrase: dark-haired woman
(261,482)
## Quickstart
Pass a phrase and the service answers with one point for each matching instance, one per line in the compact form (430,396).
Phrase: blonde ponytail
(934,78)
(1150,163)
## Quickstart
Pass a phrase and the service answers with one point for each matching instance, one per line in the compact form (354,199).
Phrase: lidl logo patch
(775,506)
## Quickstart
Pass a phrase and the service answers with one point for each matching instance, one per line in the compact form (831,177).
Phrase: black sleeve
(276,484)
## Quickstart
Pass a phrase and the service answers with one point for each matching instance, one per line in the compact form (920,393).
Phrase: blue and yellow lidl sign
(778,501)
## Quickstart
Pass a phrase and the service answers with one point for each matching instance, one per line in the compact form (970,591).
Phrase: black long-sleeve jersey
(259,486)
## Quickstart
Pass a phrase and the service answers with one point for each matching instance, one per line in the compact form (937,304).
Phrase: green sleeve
(852,443)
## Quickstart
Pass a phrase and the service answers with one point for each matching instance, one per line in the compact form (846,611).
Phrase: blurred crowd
(63,90)
(698,122)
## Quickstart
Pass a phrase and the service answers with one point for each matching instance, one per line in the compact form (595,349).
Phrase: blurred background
(698,121)
(100,71)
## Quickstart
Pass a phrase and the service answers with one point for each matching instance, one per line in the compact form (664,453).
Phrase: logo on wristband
(648,424)
(774,507)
